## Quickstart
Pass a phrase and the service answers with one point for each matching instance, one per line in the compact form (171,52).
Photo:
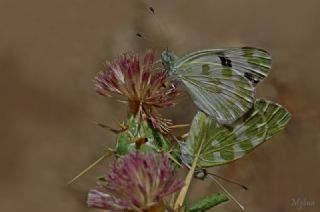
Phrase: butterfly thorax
(168,61)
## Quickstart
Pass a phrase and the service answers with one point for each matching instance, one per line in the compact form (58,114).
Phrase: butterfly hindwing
(277,117)
(220,144)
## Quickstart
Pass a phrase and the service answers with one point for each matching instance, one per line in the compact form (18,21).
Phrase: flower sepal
(140,135)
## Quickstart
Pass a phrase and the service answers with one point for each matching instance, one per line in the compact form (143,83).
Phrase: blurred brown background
(51,50)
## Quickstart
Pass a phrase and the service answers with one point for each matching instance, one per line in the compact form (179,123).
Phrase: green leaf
(122,144)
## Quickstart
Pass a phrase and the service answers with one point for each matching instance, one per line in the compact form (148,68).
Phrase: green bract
(141,136)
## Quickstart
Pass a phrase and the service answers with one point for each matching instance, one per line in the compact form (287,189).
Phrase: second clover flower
(137,182)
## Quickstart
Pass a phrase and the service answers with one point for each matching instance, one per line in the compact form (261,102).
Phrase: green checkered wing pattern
(220,144)
(277,117)
(222,82)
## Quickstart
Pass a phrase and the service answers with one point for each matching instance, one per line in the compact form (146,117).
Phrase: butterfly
(220,144)
(221,82)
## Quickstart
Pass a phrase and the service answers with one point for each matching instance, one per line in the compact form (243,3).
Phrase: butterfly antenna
(160,27)
(229,181)
(227,192)
(146,38)
(106,127)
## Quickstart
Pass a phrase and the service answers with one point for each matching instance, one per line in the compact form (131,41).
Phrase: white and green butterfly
(221,82)
(220,144)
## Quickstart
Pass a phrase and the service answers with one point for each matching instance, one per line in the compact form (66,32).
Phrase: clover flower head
(144,85)
(137,182)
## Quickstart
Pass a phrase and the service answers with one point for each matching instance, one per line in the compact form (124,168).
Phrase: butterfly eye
(200,174)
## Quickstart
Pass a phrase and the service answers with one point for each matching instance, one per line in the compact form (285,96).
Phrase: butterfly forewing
(277,117)
(252,63)
(223,96)
(222,82)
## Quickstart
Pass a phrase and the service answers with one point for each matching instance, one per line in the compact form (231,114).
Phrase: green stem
(207,203)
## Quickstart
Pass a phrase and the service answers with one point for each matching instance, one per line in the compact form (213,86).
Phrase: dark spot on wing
(225,61)
(250,77)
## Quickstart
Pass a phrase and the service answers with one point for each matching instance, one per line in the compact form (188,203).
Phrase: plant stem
(184,190)
(207,203)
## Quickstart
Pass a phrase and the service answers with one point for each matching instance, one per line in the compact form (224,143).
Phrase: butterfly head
(200,174)
(168,59)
